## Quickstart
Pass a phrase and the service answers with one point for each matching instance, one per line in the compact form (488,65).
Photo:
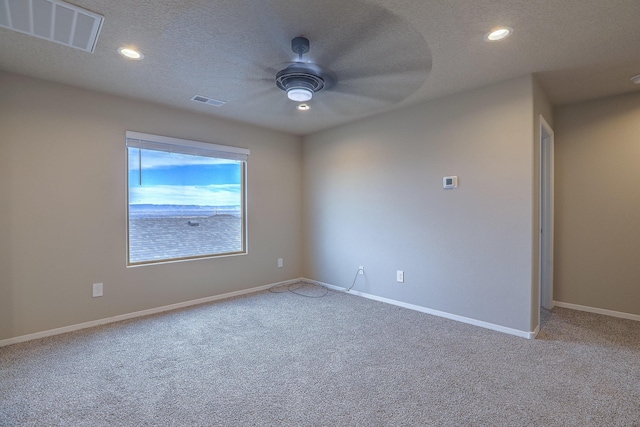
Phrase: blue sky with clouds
(180,179)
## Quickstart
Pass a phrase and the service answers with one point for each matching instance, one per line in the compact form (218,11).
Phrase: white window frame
(197,148)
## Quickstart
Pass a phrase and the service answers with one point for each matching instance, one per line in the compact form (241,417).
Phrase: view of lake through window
(183,206)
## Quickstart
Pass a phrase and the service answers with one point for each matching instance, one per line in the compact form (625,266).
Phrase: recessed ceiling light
(303,107)
(130,53)
(498,34)
(636,79)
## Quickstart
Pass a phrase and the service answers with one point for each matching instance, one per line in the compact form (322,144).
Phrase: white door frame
(546,213)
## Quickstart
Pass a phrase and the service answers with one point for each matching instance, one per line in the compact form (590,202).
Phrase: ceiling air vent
(52,20)
(209,101)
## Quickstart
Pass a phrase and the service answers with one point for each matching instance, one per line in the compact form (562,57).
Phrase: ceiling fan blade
(391,86)
(345,104)
(352,36)
(257,93)
(269,100)
(243,41)
(391,72)
(386,97)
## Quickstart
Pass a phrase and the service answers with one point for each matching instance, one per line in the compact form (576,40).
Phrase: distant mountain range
(165,211)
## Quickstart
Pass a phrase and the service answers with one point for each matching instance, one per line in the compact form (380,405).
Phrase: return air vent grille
(209,101)
(52,20)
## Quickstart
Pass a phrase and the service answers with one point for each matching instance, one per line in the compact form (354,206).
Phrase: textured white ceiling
(385,53)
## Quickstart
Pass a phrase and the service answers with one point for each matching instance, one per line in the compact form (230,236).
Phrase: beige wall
(374,197)
(597,217)
(63,206)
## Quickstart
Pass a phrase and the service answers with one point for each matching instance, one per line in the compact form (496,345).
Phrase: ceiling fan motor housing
(301,80)
(300,76)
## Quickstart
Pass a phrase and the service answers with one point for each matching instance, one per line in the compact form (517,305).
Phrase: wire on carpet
(295,287)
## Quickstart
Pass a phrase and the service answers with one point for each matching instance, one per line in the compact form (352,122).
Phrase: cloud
(209,195)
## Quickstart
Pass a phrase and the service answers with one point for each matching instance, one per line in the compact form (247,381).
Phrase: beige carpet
(283,359)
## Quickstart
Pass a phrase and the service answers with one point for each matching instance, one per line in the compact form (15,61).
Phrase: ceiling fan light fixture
(299,94)
(498,34)
(303,107)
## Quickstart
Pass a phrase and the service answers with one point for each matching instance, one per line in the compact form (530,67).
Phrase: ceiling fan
(339,57)
(301,80)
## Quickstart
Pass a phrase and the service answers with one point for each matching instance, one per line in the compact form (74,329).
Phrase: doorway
(546,214)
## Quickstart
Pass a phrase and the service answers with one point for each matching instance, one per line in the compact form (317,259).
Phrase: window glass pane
(183,206)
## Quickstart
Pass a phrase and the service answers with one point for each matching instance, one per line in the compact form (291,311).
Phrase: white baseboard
(133,315)
(535,333)
(486,325)
(611,313)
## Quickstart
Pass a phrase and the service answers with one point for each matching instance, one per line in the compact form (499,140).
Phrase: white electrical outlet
(280,262)
(97,290)
(360,269)
(400,276)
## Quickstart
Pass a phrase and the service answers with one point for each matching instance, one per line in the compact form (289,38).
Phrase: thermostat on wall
(450,182)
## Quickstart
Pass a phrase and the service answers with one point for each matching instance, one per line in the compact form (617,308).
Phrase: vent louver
(52,20)
(208,101)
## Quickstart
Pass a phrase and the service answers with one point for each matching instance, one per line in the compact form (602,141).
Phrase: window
(186,199)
